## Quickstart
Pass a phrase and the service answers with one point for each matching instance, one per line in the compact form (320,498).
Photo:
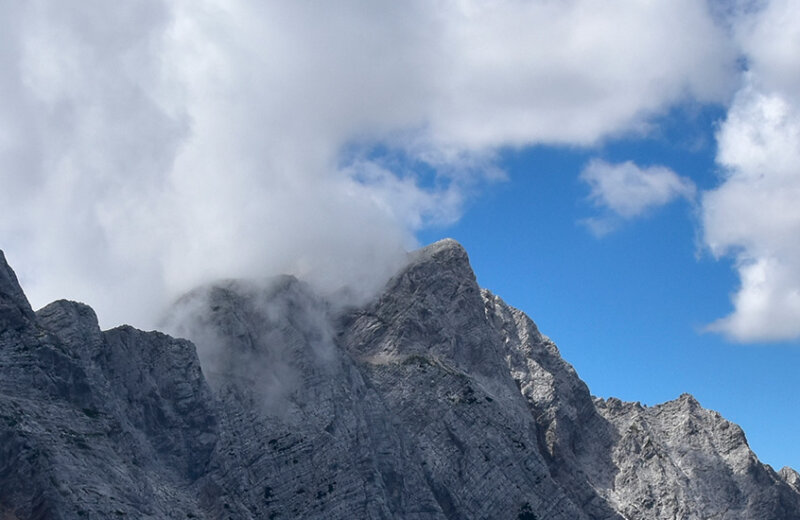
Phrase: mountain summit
(435,400)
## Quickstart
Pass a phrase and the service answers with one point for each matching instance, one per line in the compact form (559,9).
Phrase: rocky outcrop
(435,400)
(679,460)
(791,477)
(15,311)
(98,424)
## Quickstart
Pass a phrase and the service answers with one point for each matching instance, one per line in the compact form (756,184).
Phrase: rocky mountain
(435,400)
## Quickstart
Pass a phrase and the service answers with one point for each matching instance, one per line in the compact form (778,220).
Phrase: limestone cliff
(435,400)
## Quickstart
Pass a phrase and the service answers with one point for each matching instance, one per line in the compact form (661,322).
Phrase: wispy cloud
(626,191)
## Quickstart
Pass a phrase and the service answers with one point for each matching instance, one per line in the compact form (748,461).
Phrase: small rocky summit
(436,400)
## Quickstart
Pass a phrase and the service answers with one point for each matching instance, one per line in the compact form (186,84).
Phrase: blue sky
(626,172)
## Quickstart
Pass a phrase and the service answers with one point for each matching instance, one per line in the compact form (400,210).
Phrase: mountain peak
(446,250)
(14,307)
(437,270)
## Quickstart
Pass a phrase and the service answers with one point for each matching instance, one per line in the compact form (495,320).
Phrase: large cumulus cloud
(754,215)
(150,145)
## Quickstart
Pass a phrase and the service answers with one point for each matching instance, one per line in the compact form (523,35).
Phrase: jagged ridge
(436,400)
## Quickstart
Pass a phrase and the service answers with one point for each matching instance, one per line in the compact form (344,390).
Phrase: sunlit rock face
(435,400)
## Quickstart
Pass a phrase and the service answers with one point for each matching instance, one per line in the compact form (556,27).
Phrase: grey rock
(791,477)
(679,460)
(435,400)
(15,311)
(100,424)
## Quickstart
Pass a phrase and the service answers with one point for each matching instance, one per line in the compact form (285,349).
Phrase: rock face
(435,401)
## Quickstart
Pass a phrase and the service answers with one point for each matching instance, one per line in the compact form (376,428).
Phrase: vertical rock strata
(435,400)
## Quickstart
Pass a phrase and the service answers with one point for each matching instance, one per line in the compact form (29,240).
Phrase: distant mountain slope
(435,400)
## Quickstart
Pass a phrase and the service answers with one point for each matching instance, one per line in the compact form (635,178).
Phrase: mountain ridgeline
(436,400)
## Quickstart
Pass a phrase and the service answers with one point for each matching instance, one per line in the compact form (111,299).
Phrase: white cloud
(754,215)
(626,191)
(769,38)
(573,72)
(149,146)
